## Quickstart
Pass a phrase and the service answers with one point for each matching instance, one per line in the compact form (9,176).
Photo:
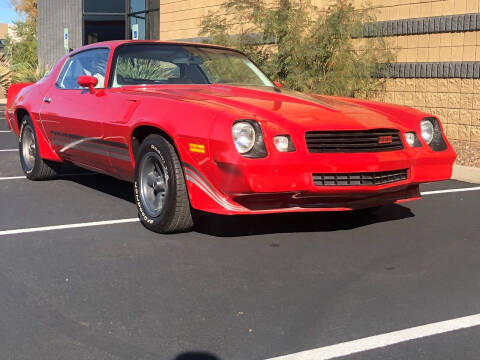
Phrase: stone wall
(455,101)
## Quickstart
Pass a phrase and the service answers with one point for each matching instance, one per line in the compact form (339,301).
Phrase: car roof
(116,43)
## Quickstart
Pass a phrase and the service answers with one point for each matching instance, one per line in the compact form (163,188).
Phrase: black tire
(34,167)
(159,179)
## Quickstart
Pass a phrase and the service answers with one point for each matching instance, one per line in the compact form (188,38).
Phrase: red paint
(222,181)
(88,82)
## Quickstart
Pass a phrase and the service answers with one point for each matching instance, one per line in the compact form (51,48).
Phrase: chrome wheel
(28,148)
(153,184)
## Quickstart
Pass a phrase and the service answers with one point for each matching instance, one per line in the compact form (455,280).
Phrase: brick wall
(455,101)
(180,19)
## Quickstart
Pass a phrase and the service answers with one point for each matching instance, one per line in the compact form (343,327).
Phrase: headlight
(243,136)
(432,134)
(427,130)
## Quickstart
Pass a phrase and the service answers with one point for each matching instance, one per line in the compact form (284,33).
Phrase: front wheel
(34,167)
(160,190)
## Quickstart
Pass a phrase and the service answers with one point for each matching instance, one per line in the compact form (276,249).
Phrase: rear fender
(12,94)
(46,152)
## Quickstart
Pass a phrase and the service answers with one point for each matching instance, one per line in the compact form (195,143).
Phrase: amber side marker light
(197,148)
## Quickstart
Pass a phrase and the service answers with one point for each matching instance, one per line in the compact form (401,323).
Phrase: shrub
(303,47)
(26,72)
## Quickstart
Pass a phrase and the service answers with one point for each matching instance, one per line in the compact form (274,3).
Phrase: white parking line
(12,178)
(8,150)
(383,340)
(5,131)
(61,176)
(67,226)
(450,191)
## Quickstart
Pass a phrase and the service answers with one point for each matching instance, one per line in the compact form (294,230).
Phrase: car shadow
(244,225)
(99,182)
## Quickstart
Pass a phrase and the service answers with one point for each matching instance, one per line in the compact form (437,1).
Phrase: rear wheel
(34,167)
(160,190)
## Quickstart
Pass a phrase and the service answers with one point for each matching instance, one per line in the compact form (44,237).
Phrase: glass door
(146,15)
(103,20)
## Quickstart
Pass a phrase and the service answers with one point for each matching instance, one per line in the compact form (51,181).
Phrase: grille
(353,141)
(352,179)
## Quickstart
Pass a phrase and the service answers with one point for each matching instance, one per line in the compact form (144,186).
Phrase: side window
(91,62)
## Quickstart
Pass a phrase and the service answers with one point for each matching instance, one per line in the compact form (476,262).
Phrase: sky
(7,13)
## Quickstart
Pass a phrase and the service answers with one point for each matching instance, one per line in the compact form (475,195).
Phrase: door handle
(47,100)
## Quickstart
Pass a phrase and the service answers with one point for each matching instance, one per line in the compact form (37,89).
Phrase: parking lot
(80,278)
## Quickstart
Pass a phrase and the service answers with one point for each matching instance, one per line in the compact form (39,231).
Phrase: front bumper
(283,182)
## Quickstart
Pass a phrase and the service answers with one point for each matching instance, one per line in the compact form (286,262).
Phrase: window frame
(85,11)
(81,52)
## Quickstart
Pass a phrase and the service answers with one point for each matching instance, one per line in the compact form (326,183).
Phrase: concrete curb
(466,173)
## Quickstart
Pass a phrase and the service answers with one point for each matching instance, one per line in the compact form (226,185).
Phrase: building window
(103,20)
(145,14)
(104,6)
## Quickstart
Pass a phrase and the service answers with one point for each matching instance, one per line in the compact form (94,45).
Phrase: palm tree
(5,74)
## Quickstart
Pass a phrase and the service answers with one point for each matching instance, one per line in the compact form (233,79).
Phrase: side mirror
(277,84)
(88,82)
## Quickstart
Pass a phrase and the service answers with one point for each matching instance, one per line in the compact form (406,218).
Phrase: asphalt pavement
(250,287)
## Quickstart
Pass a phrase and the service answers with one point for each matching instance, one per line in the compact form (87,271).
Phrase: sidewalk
(466,173)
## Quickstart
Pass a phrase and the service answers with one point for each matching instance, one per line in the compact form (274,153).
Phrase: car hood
(283,107)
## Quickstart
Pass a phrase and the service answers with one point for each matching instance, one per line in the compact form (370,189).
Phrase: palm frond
(5,74)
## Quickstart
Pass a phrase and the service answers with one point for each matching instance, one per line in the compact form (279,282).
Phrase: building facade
(437,43)
(6,30)
(3,35)
(69,24)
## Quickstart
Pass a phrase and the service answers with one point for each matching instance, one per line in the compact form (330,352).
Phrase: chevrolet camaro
(197,126)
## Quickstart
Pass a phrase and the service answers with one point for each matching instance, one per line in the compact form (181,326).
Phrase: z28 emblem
(385,139)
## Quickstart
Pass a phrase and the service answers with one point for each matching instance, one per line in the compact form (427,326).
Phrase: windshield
(143,64)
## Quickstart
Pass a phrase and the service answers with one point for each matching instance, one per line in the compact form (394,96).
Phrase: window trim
(80,52)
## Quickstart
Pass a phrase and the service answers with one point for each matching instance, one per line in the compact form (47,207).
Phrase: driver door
(72,116)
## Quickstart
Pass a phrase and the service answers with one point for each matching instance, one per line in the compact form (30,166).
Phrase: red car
(200,126)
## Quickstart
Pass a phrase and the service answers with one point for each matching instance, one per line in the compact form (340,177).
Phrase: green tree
(305,48)
(22,47)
